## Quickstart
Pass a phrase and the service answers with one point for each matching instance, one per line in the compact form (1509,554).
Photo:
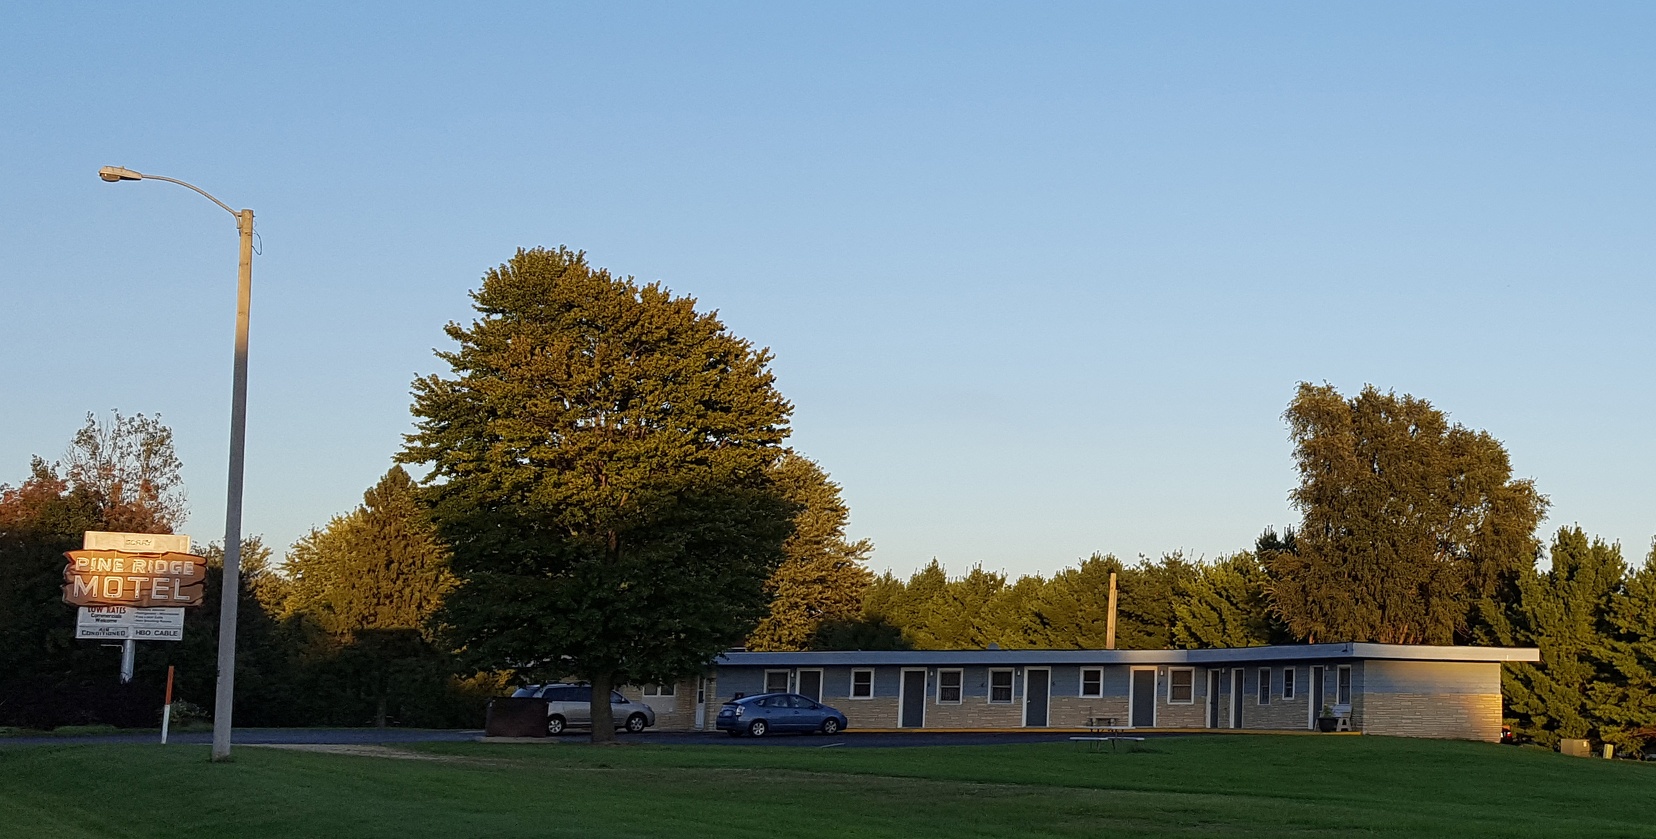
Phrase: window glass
(582,694)
(658,690)
(1345,685)
(1287,683)
(616,698)
(948,686)
(1092,681)
(1264,685)
(1181,683)
(1000,685)
(862,684)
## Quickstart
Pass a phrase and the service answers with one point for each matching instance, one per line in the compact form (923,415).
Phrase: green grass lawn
(1189,786)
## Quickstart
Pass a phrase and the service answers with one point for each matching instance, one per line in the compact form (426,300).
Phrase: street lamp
(231,590)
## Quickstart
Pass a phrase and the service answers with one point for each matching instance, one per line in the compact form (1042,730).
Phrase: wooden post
(1109,626)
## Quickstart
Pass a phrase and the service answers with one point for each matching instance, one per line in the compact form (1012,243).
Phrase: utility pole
(1109,626)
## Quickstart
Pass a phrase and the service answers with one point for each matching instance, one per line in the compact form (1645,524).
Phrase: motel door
(1236,697)
(1144,698)
(913,711)
(1213,701)
(1316,696)
(1037,685)
(810,684)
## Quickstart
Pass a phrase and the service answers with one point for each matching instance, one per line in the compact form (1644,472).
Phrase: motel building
(1388,689)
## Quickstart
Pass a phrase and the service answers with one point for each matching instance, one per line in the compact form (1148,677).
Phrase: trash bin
(515,716)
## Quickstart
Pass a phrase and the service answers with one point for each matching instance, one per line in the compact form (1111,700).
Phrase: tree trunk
(603,719)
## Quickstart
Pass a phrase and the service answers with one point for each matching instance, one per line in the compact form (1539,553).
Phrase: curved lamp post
(228,595)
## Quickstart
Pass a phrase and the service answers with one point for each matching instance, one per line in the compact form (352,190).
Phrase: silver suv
(570,705)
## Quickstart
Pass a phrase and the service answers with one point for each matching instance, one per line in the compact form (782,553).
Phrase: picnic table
(1101,730)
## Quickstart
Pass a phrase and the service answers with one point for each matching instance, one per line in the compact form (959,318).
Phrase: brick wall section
(1466,716)
(973,712)
(1280,715)
(1073,711)
(879,712)
(1169,715)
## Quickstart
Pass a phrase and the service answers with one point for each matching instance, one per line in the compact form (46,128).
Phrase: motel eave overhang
(1221,657)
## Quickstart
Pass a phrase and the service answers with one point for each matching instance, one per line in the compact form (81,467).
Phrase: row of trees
(310,651)
(608,496)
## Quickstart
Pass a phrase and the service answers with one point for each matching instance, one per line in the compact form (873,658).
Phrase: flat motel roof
(1238,655)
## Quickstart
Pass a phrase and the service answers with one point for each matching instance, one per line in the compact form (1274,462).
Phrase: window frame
(1342,685)
(852,693)
(1099,692)
(668,690)
(1288,684)
(1262,696)
(1011,686)
(787,686)
(959,686)
(1190,686)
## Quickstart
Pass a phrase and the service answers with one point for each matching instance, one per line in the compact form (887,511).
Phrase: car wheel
(830,726)
(635,723)
(758,728)
(554,725)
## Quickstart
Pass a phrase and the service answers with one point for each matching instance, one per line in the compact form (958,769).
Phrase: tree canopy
(602,460)
(1409,521)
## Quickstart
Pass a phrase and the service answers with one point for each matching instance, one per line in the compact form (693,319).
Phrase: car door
(579,705)
(789,712)
(808,714)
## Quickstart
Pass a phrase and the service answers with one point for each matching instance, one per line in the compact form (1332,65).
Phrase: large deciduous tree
(1409,521)
(824,576)
(601,467)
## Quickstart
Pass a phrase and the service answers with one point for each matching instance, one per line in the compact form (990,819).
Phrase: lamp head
(116,173)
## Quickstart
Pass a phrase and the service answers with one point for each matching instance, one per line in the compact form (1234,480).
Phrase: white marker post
(166,710)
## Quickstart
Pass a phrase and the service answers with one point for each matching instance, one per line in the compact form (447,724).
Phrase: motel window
(1264,685)
(1287,683)
(1344,694)
(948,687)
(1000,686)
(862,684)
(1092,681)
(1181,686)
(658,690)
(776,681)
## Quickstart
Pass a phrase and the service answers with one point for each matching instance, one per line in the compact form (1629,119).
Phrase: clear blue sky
(1040,278)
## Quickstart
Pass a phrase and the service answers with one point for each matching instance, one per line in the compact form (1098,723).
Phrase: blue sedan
(760,715)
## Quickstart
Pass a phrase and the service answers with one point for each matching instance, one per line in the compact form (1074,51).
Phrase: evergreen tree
(1409,522)
(1564,611)
(823,578)
(1225,604)
(1624,704)
(1070,610)
(602,468)
(372,580)
(380,567)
